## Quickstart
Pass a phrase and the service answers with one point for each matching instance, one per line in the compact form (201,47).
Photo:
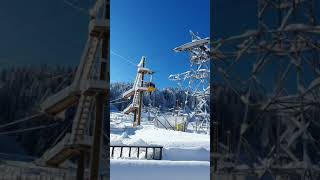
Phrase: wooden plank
(121,151)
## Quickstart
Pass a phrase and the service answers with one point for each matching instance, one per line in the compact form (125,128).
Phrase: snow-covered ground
(159,170)
(185,155)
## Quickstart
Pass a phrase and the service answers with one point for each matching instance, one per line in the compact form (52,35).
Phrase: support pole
(140,98)
(135,118)
(81,165)
(100,99)
(97,137)
(140,106)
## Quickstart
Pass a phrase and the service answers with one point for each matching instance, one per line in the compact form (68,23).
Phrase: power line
(22,120)
(116,99)
(17,155)
(120,102)
(29,129)
(61,134)
(126,59)
(62,75)
(79,9)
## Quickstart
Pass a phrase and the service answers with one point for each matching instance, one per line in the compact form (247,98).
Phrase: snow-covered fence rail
(141,152)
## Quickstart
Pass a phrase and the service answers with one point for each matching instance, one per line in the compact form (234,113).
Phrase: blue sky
(51,32)
(42,32)
(153,29)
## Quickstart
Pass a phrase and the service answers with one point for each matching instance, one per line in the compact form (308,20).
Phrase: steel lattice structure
(281,85)
(196,80)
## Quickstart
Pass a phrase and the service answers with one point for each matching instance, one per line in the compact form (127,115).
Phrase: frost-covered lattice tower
(196,80)
(275,72)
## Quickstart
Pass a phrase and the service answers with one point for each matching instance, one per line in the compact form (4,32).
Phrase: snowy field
(185,155)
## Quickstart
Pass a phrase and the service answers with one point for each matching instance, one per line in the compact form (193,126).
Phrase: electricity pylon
(274,70)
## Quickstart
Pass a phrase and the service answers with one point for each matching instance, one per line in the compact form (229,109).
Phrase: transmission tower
(274,70)
(196,80)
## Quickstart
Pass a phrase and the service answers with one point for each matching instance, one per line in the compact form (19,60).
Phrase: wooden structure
(88,92)
(136,92)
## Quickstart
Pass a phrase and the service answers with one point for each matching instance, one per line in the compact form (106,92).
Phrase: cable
(18,155)
(80,9)
(29,129)
(61,134)
(126,59)
(61,75)
(22,120)
(116,100)
(120,102)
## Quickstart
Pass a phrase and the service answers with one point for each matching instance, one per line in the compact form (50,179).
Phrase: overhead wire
(17,155)
(116,99)
(74,6)
(29,129)
(120,102)
(62,133)
(22,120)
(126,59)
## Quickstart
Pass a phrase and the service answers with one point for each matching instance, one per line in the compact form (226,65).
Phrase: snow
(158,170)
(186,155)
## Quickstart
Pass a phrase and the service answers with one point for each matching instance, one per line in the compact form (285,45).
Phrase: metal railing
(155,152)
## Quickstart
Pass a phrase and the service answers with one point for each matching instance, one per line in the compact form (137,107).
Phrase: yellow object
(151,89)
(180,127)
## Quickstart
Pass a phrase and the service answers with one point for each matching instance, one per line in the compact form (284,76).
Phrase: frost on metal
(196,81)
(274,70)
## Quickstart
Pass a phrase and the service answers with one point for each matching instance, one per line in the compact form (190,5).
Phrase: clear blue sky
(42,32)
(51,32)
(152,29)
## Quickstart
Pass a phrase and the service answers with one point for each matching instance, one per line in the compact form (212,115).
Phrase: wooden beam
(100,98)
(97,137)
(140,97)
(81,165)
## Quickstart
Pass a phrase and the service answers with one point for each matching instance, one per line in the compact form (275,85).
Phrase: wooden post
(140,107)
(140,98)
(160,153)
(81,165)
(97,137)
(134,118)
(121,149)
(100,98)
(153,153)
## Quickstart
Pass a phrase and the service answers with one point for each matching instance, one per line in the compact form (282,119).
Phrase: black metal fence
(134,152)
